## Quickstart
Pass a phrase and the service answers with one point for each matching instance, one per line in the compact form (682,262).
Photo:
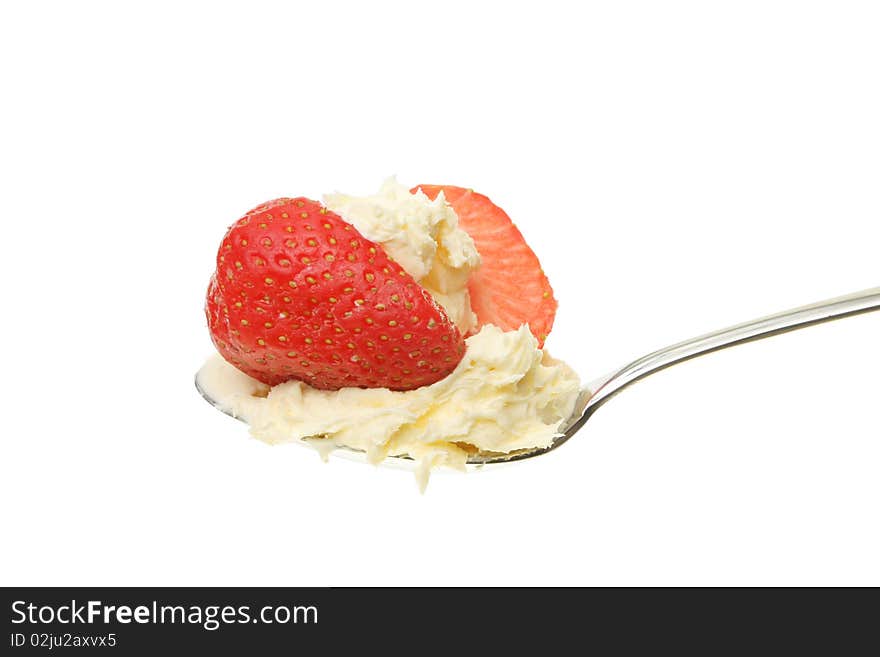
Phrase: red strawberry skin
(510,288)
(300,294)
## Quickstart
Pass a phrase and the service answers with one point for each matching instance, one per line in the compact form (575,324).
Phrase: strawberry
(300,294)
(510,288)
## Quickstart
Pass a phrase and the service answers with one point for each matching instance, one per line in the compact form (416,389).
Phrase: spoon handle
(789,320)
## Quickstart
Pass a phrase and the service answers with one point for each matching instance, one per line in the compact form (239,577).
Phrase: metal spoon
(604,388)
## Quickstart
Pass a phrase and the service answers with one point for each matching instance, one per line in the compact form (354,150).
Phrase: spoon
(597,392)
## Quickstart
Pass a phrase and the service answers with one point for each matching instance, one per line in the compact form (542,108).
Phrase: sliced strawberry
(510,288)
(301,294)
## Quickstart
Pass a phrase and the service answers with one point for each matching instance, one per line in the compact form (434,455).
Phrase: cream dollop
(505,395)
(423,237)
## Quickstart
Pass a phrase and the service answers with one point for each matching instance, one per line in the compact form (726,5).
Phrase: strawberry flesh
(510,288)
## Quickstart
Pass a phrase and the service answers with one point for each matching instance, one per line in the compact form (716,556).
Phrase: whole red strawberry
(301,294)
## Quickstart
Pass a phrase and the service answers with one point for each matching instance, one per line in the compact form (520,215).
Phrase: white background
(677,166)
